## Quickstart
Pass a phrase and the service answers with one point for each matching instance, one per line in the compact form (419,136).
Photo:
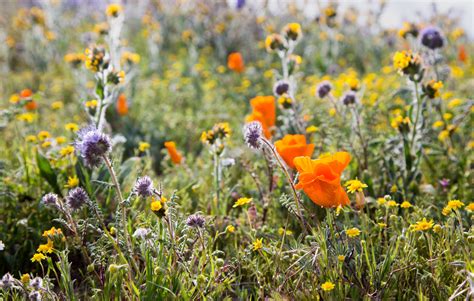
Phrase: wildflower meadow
(220,150)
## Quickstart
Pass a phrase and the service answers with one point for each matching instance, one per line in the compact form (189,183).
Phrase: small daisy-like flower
(470,207)
(353,232)
(431,89)
(56,105)
(292,31)
(25,278)
(257,244)
(195,221)
(328,286)
(50,199)
(76,198)
(73,127)
(67,150)
(156,205)
(92,104)
(43,135)
(144,187)
(405,205)
(230,229)
(221,130)
(38,257)
(51,233)
(46,248)
(382,225)
(455,204)
(431,37)
(422,225)
(92,145)
(143,146)
(113,10)
(242,201)
(275,42)
(323,89)
(72,182)
(355,185)
(381,201)
(392,204)
(341,258)
(282,231)
(253,132)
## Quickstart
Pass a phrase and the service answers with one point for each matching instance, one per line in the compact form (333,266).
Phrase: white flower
(2,246)
(141,233)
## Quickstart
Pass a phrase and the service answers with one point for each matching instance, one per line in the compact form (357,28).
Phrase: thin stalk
(287,175)
(417,116)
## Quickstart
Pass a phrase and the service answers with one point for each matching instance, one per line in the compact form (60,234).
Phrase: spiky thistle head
(144,187)
(76,198)
(253,132)
(92,145)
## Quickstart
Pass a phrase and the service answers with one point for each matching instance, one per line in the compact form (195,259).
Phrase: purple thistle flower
(281,87)
(92,145)
(431,37)
(76,198)
(240,4)
(144,187)
(252,134)
(50,199)
(7,280)
(36,283)
(349,98)
(323,89)
(195,221)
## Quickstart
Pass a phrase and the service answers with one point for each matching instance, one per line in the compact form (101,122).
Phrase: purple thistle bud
(323,89)
(7,280)
(35,296)
(195,221)
(50,199)
(144,187)
(92,145)
(349,98)
(252,134)
(76,198)
(281,87)
(36,283)
(431,37)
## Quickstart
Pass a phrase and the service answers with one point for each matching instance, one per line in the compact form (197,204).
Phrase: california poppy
(292,146)
(122,105)
(174,154)
(462,54)
(320,179)
(264,111)
(235,62)
(26,93)
(31,105)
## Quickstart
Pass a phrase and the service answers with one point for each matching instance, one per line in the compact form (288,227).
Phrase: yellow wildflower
(73,127)
(143,146)
(241,202)
(46,248)
(57,105)
(25,278)
(355,185)
(113,10)
(67,150)
(38,257)
(60,139)
(405,205)
(230,229)
(353,232)
(328,286)
(341,258)
(92,103)
(72,182)
(392,204)
(422,225)
(257,244)
(43,135)
(311,129)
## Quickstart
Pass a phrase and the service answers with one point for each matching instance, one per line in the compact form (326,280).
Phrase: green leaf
(47,172)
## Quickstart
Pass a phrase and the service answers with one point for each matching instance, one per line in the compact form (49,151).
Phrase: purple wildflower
(323,89)
(349,98)
(252,134)
(76,198)
(431,37)
(195,221)
(50,199)
(92,145)
(144,187)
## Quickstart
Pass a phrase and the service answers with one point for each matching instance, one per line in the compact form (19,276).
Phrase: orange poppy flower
(320,179)
(462,54)
(235,62)
(174,154)
(26,93)
(31,105)
(122,105)
(264,111)
(292,146)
